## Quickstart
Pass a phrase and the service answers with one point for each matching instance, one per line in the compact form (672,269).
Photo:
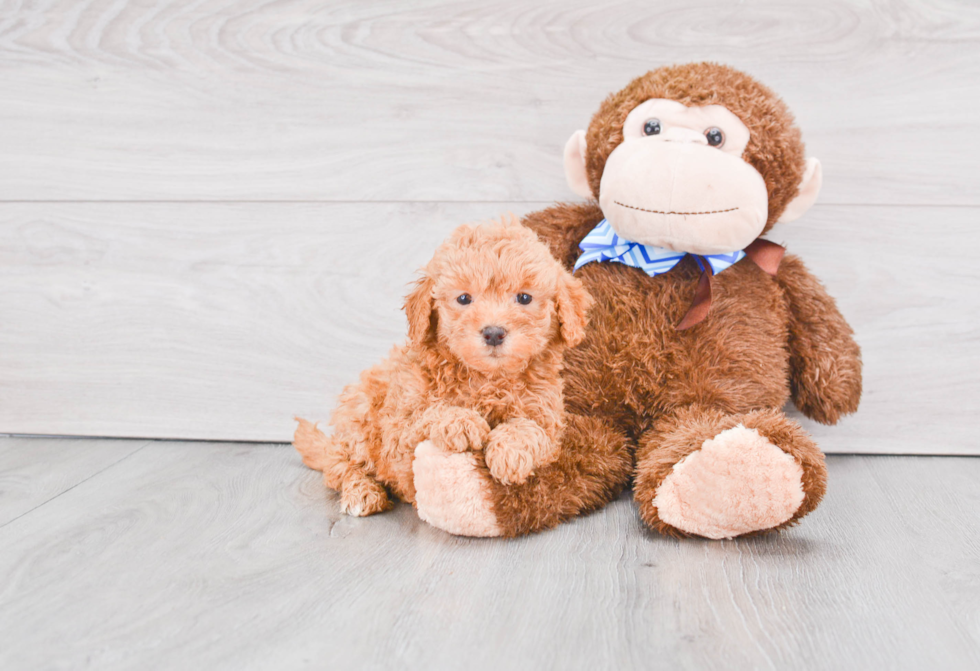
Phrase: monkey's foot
(762,473)
(452,493)
(736,483)
(457,493)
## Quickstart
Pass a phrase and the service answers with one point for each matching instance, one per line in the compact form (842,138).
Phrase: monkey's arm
(563,226)
(825,362)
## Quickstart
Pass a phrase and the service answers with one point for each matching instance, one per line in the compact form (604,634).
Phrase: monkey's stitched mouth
(643,209)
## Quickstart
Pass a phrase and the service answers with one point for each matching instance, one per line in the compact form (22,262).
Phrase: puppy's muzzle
(493,335)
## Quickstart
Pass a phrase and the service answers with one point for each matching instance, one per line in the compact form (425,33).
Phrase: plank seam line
(151,439)
(285,201)
(80,482)
(409,202)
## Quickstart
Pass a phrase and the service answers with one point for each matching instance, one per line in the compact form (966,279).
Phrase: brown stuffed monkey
(700,332)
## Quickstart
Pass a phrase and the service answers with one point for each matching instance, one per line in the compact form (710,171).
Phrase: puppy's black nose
(493,335)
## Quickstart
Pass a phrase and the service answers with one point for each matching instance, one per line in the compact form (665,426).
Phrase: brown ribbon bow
(767,255)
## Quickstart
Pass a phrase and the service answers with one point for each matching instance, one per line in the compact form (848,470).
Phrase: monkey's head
(697,158)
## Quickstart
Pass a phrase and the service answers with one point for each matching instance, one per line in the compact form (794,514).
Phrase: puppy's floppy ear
(420,310)
(573,309)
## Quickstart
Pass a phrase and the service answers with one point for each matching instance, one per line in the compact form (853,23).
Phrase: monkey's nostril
(493,335)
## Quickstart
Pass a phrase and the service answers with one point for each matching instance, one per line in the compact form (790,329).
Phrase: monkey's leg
(705,473)
(456,493)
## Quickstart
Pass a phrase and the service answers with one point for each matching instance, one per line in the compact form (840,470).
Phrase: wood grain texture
(385,125)
(33,472)
(234,557)
(455,101)
(223,321)
(201,321)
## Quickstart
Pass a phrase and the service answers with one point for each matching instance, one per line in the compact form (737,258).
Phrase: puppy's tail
(311,444)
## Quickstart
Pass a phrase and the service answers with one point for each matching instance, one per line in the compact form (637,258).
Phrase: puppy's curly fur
(453,383)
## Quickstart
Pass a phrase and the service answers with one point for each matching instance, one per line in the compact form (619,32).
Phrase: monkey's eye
(715,137)
(651,127)
(523,299)
(464,299)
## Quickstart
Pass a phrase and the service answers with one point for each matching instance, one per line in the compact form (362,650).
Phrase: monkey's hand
(456,429)
(515,448)
(825,362)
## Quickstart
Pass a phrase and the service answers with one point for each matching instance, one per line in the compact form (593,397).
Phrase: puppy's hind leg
(361,495)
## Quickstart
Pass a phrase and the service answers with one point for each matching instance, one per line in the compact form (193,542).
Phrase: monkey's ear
(573,309)
(420,310)
(575,165)
(809,190)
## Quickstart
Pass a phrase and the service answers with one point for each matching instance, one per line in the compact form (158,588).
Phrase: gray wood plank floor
(145,554)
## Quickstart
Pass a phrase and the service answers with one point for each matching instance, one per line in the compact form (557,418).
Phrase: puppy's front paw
(459,429)
(515,448)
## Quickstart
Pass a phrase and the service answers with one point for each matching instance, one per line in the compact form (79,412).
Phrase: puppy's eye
(651,127)
(715,137)
(523,299)
(464,299)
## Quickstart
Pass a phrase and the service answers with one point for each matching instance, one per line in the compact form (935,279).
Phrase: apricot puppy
(488,323)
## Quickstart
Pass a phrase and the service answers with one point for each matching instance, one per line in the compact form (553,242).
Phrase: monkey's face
(698,158)
(678,180)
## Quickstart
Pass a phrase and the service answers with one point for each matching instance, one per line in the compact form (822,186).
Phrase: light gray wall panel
(224,320)
(200,320)
(455,101)
(209,210)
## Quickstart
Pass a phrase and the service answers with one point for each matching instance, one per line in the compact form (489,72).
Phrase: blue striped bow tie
(603,244)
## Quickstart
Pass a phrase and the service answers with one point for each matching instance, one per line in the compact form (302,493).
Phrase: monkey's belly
(635,365)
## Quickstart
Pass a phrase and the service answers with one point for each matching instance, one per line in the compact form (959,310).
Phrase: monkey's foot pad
(451,492)
(738,482)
